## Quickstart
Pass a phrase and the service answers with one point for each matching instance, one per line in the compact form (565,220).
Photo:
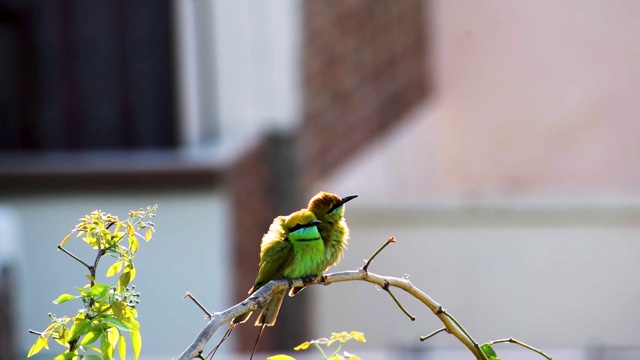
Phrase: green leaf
(132,270)
(99,291)
(92,336)
(133,243)
(124,280)
(40,343)
(64,298)
(115,268)
(83,291)
(122,348)
(117,307)
(358,336)
(133,324)
(106,346)
(304,346)
(80,328)
(91,240)
(280,357)
(66,238)
(92,357)
(136,343)
(93,348)
(117,323)
(65,356)
(349,356)
(113,335)
(59,334)
(488,350)
(118,225)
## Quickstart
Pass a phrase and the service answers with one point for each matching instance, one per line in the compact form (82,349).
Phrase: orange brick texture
(364,66)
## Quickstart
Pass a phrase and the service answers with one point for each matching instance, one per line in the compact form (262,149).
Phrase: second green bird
(291,249)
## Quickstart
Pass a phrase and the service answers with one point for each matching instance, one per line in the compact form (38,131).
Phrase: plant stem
(475,344)
(207,312)
(514,341)
(74,257)
(324,356)
(423,338)
(390,240)
(386,288)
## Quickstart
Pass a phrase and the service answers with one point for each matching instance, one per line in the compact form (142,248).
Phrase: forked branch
(264,294)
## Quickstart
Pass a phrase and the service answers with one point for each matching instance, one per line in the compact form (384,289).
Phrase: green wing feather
(275,258)
(276,253)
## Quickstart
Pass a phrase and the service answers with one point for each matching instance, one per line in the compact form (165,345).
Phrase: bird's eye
(296,227)
(334,209)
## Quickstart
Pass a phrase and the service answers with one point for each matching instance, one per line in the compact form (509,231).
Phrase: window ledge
(115,170)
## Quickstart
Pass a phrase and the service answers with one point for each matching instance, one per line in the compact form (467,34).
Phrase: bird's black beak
(348,198)
(342,202)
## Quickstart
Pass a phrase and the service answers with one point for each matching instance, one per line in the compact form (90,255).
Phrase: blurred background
(498,142)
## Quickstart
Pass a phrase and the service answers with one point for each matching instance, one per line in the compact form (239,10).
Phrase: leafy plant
(109,310)
(340,338)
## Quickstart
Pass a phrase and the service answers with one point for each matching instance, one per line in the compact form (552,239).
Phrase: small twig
(514,341)
(263,295)
(389,241)
(475,343)
(386,288)
(74,257)
(324,356)
(53,336)
(423,338)
(207,312)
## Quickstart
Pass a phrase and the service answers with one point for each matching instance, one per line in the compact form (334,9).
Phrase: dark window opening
(86,75)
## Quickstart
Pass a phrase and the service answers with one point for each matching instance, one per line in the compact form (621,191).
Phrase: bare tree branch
(263,295)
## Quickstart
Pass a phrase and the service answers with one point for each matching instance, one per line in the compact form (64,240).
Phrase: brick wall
(363,68)
(264,184)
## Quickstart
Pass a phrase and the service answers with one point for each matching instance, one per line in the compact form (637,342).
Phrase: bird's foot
(309,279)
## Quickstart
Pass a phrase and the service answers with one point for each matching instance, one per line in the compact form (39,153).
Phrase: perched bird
(291,249)
(301,245)
(329,209)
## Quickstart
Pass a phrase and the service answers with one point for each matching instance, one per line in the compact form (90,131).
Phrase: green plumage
(329,209)
(291,249)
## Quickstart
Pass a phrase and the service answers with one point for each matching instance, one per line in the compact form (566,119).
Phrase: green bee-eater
(291,249)
(329,209)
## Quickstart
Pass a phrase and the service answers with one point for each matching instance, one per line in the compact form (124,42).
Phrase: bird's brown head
(327,206)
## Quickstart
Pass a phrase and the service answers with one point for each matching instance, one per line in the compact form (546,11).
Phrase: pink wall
(531,99)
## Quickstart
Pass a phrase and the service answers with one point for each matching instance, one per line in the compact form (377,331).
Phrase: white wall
(187,253)
(551,276)
(238,68)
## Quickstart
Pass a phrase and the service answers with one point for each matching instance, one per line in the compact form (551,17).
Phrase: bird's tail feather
(241,318)
(270,312)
